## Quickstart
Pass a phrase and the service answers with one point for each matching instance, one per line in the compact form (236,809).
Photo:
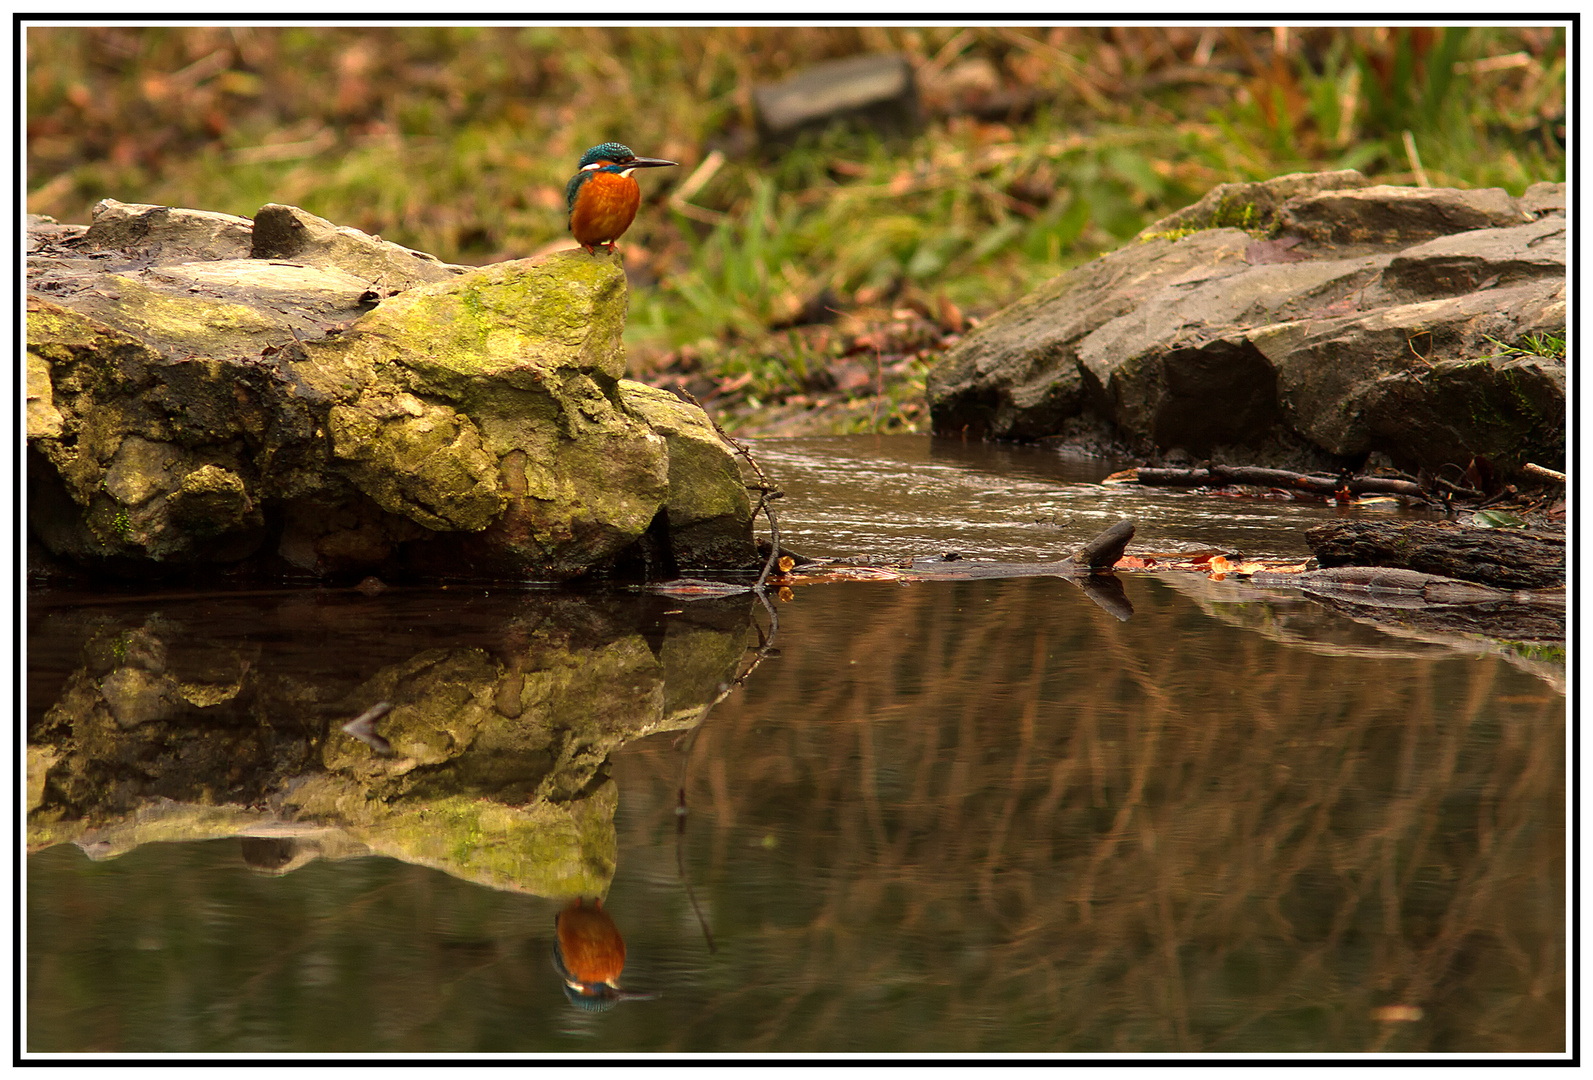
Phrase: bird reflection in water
(589,955)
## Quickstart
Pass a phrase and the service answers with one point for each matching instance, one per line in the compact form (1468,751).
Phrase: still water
(938,817)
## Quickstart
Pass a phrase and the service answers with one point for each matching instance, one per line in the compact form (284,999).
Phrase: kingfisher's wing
(572,187)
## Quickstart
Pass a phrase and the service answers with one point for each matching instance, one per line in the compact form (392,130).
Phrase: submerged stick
(1090,568)
(1223,475)
(688,742)
(680,869)
(1106,548)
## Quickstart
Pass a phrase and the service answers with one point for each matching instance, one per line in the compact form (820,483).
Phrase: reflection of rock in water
(228,718)
(1282,613)
(276,854)
(268,854)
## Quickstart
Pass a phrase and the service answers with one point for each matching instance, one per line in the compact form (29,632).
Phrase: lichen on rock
(292,394)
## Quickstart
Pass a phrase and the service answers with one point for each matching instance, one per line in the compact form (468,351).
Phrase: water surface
(943,816)
(886,496)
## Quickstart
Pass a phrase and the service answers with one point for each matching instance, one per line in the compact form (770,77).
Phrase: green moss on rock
(517,323)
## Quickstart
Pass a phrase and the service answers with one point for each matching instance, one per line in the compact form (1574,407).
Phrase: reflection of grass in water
(1035,828)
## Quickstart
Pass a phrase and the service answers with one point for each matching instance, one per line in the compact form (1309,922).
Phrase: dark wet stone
(1372,320)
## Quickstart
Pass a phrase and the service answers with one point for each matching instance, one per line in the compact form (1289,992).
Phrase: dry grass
(1041,147)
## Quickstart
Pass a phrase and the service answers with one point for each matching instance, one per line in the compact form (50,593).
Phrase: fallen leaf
(1199,555)
(1480,475)
(948,316)
(695,588)
(1496,519)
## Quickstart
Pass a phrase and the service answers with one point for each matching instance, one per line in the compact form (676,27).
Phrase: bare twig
(767,492)
(1220,475)
(1001,198)
(1539,470)
(1457,489)
(688,742)
(680,867)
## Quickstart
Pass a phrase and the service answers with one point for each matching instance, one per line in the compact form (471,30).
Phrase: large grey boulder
(287,394)
(1312,318)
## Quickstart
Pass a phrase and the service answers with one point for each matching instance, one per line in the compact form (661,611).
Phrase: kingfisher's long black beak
(648,163)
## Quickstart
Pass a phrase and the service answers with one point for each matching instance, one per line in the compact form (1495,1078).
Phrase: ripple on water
(893,496)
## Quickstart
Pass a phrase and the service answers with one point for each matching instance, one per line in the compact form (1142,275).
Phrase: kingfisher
(602,197)
(589,955)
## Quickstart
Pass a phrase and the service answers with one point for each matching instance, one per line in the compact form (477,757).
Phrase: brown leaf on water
(695,588)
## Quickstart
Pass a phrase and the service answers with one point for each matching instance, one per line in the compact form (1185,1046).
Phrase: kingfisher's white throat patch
(599,164)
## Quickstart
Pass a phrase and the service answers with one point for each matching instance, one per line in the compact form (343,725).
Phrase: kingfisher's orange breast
(605,206)
(590,943)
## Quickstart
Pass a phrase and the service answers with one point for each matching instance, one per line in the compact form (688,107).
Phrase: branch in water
(767,492)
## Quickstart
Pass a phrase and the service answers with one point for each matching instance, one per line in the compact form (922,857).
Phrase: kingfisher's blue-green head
(611,152)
